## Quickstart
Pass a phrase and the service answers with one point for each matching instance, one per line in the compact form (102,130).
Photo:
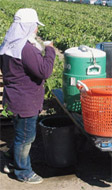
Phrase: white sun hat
(25,15)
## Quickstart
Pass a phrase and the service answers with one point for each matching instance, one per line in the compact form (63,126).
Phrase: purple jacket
(24,79)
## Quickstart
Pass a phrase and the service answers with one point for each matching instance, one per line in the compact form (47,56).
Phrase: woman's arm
(36,64)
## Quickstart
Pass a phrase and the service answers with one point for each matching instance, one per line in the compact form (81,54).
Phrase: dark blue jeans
(25,133)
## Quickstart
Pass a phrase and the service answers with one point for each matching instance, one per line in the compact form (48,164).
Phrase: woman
(24,71)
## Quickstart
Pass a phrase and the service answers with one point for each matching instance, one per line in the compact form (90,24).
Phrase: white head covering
(24,25)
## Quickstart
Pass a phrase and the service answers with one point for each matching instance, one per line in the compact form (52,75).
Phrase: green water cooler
(80,63)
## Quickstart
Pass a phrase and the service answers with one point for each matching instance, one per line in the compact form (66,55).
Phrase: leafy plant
(55,81)
(6,112)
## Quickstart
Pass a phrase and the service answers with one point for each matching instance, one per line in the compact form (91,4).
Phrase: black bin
(58,140)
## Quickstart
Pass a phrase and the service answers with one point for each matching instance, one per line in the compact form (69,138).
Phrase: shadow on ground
(90,164)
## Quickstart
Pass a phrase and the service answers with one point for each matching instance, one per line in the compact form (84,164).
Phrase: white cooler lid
(84,51)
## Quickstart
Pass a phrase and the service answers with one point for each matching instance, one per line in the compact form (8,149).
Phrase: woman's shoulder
(29,45)
(30,48)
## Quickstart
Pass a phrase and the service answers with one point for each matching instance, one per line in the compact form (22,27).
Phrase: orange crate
(97,106)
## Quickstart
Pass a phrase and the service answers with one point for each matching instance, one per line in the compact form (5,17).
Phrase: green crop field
(67,24)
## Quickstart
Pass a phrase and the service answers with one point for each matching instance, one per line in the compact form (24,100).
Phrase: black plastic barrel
(58,140)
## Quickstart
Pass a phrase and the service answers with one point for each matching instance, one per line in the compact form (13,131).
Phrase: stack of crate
(1,92)
(3,120)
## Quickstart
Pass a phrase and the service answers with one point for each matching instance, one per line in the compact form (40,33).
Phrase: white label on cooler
(73,81)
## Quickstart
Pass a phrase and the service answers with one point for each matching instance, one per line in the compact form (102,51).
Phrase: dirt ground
(91,169)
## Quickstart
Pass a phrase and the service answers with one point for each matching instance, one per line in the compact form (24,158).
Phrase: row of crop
(66,24)
(77,24)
